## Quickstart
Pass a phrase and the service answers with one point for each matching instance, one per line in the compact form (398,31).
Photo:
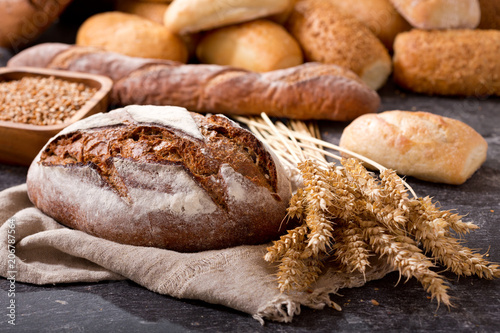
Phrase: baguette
(440,14)
(418,144)
(328,35)
(308,91)
(453,62)
(162,177)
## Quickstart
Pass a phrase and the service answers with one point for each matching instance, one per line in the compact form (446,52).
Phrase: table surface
(403,307)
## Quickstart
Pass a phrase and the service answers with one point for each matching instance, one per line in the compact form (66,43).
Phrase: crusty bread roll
(23,20)
(379,16)
(162,177)
(258,45)
(154,11)
(490,14)
(131,35)
(440,14)
(307,91)
(328,35)
(185,16)
(418,144)
(452,62)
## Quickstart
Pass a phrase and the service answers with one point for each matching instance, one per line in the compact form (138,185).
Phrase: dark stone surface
(403,307)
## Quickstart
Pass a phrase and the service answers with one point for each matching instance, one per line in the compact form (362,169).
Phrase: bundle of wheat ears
(348,214)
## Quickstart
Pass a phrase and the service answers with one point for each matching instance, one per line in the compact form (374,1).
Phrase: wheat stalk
(348,214)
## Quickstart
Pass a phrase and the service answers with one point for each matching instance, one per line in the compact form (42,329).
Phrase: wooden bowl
(19,142)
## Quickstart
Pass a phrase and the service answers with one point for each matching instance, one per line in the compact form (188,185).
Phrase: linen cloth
(36,249)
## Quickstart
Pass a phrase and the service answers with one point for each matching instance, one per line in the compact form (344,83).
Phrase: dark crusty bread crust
(308,91)
(162,177)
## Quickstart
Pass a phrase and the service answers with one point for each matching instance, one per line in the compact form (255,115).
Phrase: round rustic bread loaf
(162,177)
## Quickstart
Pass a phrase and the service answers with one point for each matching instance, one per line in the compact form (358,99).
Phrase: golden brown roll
(490,14)
(379,16)
(153,11)
(185,16)
(131,35)
(452,62)
(440,14)
(328,35)
(259,46)
(418,144)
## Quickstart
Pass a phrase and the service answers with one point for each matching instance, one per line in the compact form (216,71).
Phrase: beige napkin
(46,252)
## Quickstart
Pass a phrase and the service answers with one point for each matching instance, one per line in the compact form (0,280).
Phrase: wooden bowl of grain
(36,104)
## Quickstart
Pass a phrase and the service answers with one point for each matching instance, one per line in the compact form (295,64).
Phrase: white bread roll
(418,144)
(131,35)
(440,14)
(379,16)
(259,46)
(185,16)
(328,35)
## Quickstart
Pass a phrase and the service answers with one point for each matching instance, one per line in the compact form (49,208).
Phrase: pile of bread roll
(437,47)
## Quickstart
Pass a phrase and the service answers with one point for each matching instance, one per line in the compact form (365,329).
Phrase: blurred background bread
(259,45)
(153,11)
(196,15)
(448,62)
(490,14)
(131,35)
(418,144)
(379,16)
(22,21)
(326,34)
(440,14)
